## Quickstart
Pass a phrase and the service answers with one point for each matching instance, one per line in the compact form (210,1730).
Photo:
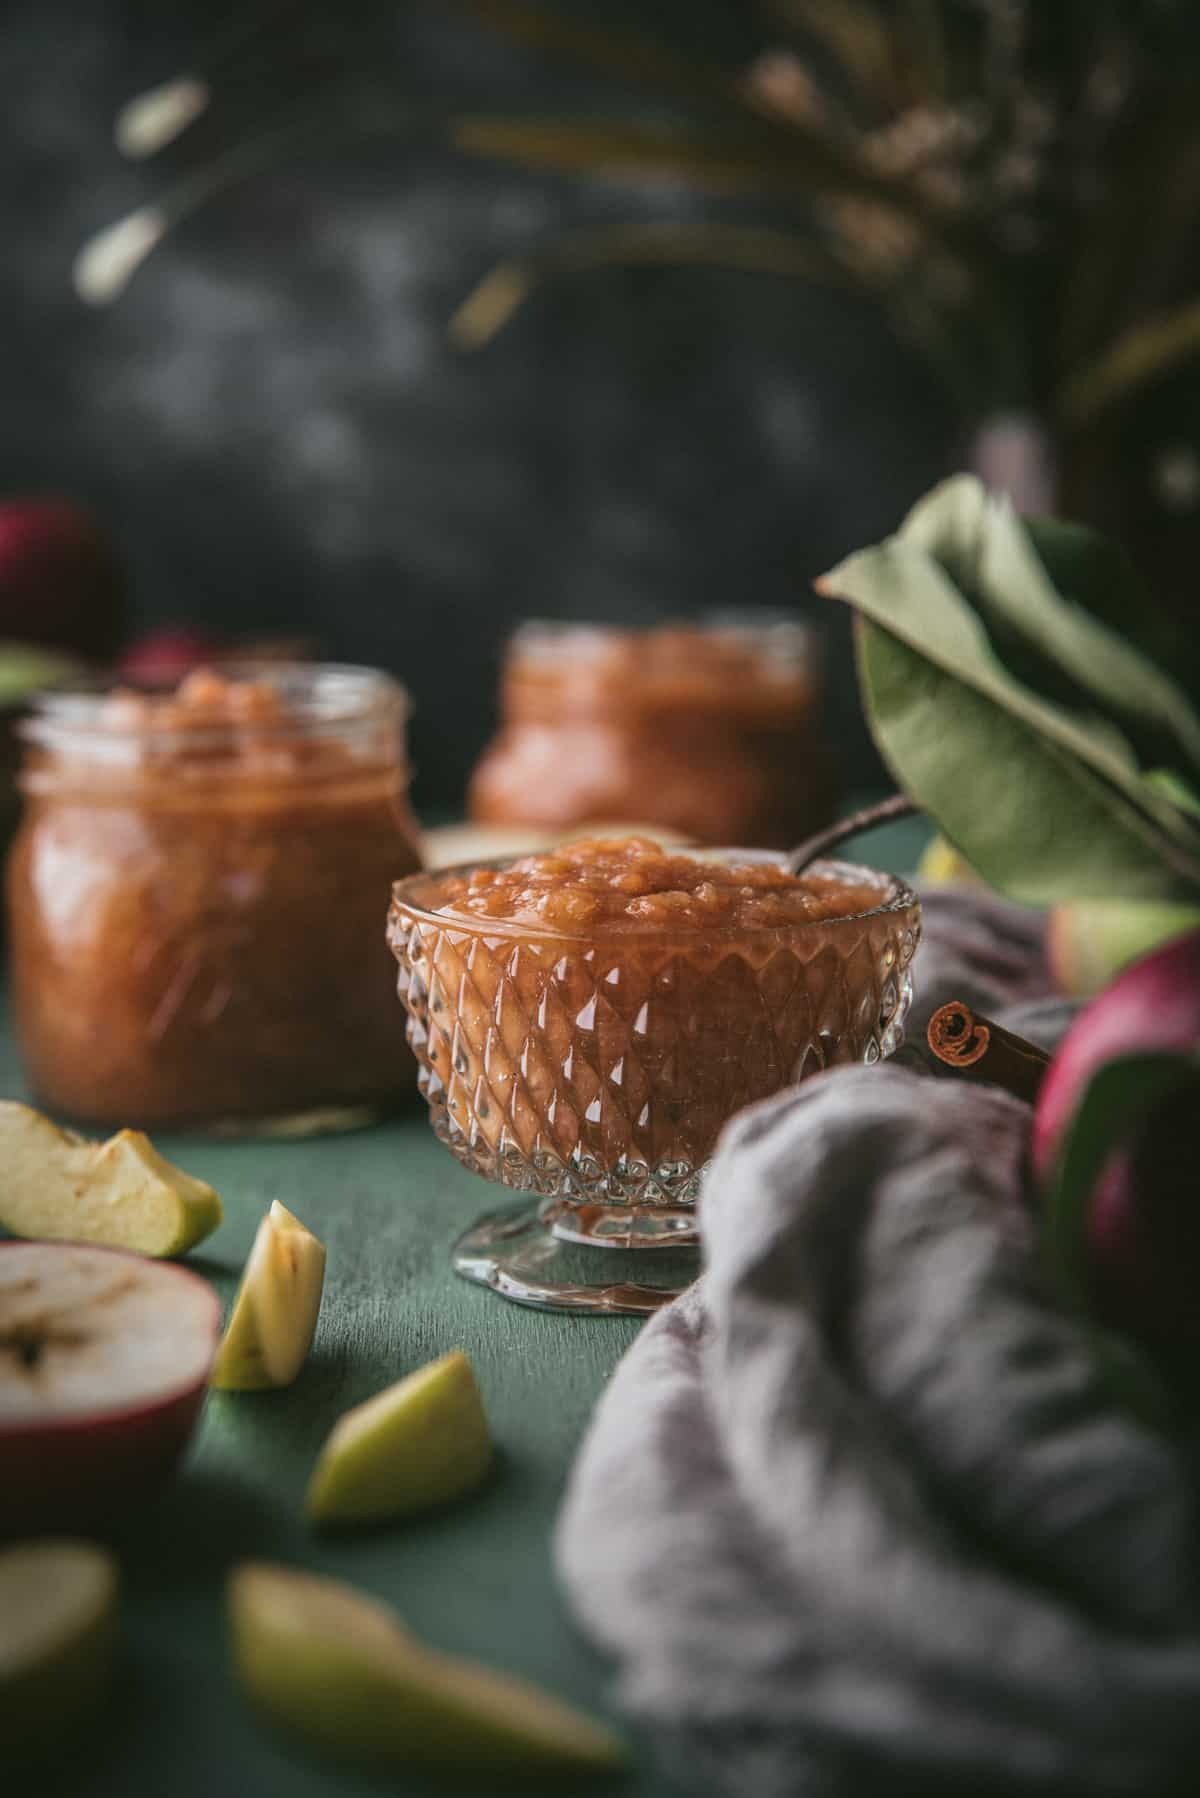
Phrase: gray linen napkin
(857,1515)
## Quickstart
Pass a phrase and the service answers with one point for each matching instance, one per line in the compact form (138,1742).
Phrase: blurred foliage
(1015,182)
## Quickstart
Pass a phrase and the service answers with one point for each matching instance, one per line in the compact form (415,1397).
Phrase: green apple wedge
(340,1670)
(58,1630)
(416,1445)
(274,1316)
(121,1193)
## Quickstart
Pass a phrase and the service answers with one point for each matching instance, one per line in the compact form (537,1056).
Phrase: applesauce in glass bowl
(585,1022)
(709,728)
(196,894)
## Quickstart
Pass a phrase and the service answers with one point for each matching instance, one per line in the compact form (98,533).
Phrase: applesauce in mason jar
(712,729)
(196,899)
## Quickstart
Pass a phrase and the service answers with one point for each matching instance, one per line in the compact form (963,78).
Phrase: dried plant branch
(818,156)
(1014,190)
(506,287)
(154,118)
(716,161)
(1140,355)
(854,34)
(1153,171)
(610,52)
(107,262)
(926,27)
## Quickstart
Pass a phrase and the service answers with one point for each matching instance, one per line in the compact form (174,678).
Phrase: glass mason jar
(197,895)
(712,729)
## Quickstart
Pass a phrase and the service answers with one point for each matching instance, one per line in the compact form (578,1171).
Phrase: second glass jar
(712,729)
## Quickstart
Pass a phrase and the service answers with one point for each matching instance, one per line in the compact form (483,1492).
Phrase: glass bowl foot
(558,1257)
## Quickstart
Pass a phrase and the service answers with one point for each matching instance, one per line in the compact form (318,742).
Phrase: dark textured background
(276,427)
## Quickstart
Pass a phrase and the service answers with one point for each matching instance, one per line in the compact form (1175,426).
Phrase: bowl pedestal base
(607,1260)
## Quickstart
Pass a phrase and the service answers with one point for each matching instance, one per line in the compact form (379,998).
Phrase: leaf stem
(868,818)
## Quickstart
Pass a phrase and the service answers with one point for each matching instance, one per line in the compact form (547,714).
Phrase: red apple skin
(162,657)
(85,1470)
(1143,1227)
(1152,1005)
(61,580)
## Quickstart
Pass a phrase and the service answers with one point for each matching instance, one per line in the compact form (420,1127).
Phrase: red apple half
(104,1363)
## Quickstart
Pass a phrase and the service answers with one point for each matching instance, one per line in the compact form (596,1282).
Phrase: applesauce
(711,729)
(633,885)
(587,1020)
(196,894)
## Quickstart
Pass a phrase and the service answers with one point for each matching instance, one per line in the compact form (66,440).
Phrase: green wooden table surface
(476,1579)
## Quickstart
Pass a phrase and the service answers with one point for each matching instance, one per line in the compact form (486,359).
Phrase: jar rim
(896,896)
(320,698)
(774,632)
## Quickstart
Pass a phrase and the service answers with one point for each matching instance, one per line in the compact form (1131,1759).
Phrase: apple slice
(104,1362)
(274,1315)
(419,1443)
(122,1192)
(58,1630)
(341,1671)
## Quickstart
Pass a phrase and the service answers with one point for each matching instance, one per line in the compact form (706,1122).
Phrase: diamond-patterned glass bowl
(600,1070)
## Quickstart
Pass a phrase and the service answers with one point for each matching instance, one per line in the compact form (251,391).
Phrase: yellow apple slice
(122,1193)
(418,1444)
(58,1628)
(274,1316)
(340,1670)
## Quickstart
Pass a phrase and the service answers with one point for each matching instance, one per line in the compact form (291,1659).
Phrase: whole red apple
(104,1363)
(61,580)
(1143,1217)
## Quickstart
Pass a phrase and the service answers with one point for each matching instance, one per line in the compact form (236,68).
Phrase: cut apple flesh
(274,1315)
(122,1193)
(341,1671)
(58,1615)
(420,1443)
(104,1362)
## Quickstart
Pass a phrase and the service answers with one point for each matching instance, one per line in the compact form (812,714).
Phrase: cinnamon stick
(980,1049)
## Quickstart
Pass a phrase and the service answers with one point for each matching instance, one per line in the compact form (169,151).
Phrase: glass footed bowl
(596,1071)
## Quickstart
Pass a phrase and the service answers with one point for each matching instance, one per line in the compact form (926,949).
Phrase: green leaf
(1098,574)
(1179,791)
(908,594)
(1031,818)
(1034,734)
(1039,618)
(1118,1095)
